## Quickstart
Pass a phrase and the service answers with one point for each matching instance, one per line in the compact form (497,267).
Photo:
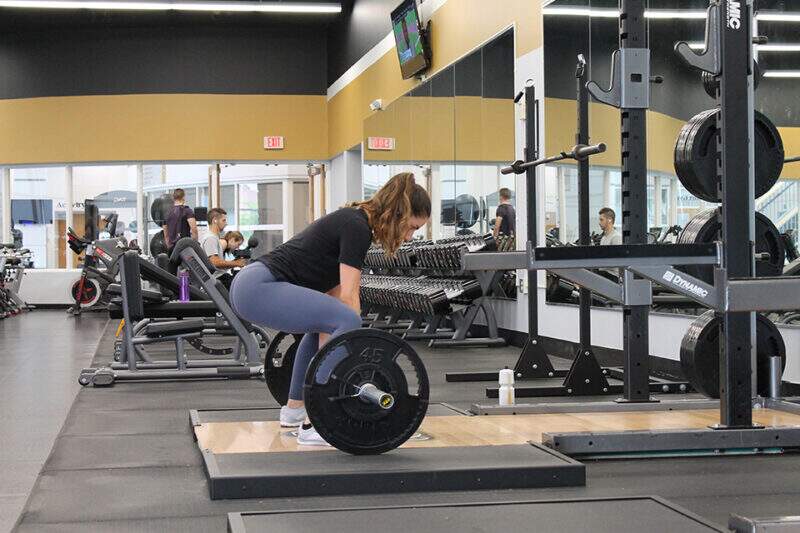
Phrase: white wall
(344,180)
(48,286)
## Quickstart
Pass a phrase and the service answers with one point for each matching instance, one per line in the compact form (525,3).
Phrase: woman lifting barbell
(310,284)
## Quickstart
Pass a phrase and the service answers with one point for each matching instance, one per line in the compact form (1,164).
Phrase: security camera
(376,105)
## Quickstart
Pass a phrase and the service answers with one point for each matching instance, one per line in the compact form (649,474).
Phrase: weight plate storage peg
(278,365)
(366,392)
(700,353)
(695,155)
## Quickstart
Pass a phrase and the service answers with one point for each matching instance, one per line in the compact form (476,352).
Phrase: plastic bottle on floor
(506,393)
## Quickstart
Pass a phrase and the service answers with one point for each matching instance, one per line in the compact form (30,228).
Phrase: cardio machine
(100,265)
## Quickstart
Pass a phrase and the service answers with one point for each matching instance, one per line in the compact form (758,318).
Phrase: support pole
(633,34)
(561,176)
(287,186)
(582,137)
(6,207)
(141,217)
(69,202)
(533,362)
(213,185)
(735,125)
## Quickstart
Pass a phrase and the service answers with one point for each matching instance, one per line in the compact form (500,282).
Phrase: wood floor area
(444,431)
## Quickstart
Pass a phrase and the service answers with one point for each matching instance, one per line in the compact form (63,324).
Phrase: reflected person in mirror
(505,217)
(610,234)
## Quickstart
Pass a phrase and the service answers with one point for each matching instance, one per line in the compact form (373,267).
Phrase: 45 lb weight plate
(705,227)
(366,392)
(700,353)
(695,155)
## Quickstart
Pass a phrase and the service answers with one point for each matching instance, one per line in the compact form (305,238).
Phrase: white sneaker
(292,417)
(308,436)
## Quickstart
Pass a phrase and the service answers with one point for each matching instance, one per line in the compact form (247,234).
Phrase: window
(260,203)
(300,208)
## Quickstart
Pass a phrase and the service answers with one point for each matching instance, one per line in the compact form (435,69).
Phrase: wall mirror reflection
(677,207)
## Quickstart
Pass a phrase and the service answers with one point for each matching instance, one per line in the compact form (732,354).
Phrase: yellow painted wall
(161,127)
(231,127)
(457,27)
(464,128)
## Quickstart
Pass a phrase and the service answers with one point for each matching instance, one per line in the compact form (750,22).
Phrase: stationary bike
(99,269)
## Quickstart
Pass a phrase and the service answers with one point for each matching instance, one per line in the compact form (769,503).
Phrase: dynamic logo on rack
(675,279)
(734,14)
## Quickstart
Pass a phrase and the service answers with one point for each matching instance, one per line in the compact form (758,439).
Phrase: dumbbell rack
(462,316)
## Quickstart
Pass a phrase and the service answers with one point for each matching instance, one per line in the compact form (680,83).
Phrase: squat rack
(629,91)
(735,293)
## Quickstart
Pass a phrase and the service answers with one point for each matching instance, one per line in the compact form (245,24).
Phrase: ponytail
(391,208)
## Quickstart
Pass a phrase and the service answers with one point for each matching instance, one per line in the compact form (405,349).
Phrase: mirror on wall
(453,131)
(591,28)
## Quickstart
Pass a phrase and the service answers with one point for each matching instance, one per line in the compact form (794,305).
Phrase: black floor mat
(147,475)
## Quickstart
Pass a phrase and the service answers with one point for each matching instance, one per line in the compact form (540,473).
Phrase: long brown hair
(391,208)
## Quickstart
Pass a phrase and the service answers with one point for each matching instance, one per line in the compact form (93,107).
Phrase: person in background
(506,217)
(180,221)
(231,241)
(610,235)
(212,244)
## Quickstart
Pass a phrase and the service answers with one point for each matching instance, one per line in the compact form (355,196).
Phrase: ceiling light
(246,7)
(668,14)
(663,14)
(778,16)
(759,47)
(782,74)
(581,12)
(614,13)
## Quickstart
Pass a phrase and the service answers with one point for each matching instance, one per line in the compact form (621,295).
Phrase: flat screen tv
(409,37)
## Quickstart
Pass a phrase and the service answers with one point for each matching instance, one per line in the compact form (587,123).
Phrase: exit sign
(380,143)
(273,142)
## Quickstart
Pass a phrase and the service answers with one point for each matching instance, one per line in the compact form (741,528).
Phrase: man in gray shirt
(610,235)
(217,220)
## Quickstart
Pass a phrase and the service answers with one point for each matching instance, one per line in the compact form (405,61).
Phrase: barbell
(366,391)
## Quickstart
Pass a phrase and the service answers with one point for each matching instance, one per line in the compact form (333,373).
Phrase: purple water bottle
(183,285)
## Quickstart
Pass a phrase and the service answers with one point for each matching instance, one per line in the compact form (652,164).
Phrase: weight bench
(163,275)
(140,331)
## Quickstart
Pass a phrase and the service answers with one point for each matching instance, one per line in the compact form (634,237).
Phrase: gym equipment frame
(175,331)
(735,293)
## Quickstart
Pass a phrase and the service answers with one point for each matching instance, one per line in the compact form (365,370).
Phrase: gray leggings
(259,298)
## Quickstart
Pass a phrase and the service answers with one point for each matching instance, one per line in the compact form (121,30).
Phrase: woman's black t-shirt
(311,258)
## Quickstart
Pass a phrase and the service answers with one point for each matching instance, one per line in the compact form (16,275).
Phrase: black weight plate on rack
(159,209)
(278,365)
(710,82)
(346,363)
(700,353)
(681,157)
(695,155)
(705,228)
(682,164)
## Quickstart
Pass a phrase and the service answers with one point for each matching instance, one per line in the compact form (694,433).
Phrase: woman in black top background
(310,284)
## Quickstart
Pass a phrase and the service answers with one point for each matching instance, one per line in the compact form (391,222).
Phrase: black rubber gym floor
(126,461)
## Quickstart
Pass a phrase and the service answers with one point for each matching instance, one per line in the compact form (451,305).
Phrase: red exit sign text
(380,143)
(273,142)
